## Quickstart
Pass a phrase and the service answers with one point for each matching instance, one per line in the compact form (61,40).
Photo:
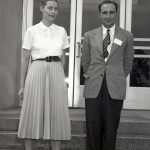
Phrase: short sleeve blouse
(45,41)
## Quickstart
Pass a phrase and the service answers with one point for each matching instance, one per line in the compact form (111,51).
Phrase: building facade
(77,17)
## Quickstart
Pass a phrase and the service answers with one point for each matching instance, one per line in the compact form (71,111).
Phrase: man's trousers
(102,120)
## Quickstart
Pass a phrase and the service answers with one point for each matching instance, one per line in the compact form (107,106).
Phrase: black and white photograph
(74,75)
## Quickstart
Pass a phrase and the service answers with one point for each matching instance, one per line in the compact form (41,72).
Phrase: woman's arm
(63,58)
(25,58)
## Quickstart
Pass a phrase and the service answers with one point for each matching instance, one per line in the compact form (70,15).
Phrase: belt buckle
(48,59)
(55,58)
(52,58)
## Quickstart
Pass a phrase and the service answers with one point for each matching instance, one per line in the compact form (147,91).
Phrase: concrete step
(9,140)
(35,148)
(133,133)
(9,124)
(127,126)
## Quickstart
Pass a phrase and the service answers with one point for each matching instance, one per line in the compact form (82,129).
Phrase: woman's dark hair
(43,2)
(108,2)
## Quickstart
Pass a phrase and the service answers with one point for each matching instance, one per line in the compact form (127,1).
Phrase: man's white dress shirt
(112,32)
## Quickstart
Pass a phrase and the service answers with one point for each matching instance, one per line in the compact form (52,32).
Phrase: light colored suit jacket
(117,67)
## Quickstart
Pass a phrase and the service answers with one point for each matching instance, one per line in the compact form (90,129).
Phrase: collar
(44,27)
(112,30)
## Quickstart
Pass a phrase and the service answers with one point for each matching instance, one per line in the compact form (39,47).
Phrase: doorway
(80,16)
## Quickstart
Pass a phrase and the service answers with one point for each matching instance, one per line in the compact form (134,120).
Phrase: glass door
(87,19)
(137,21)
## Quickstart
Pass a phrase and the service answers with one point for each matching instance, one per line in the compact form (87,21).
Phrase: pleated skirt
(44,113)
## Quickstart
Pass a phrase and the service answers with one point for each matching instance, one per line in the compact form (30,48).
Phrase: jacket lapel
(117,35)
(99,38)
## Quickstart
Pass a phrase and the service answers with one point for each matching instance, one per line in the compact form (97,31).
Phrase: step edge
(141,136)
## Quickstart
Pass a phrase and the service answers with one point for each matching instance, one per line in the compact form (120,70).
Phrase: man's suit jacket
(117,67)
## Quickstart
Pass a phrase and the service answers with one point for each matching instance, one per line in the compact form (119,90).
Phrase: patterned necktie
(106,42)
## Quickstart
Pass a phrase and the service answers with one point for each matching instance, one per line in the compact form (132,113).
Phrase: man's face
(108,15)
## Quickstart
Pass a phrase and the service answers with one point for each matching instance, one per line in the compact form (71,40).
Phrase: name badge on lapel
(117,41)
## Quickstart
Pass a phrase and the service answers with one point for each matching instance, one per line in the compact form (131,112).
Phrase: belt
(49,59)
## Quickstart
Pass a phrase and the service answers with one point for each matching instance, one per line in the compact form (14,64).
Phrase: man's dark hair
(108,2)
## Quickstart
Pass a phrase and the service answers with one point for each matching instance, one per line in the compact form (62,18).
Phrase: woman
(44,113)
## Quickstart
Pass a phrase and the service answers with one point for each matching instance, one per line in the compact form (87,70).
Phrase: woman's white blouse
(45,41)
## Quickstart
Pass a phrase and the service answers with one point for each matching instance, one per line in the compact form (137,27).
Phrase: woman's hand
(20,93)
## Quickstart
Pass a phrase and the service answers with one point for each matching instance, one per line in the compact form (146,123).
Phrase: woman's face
(50,11)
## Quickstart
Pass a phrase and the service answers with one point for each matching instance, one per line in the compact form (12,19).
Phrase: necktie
(106,42)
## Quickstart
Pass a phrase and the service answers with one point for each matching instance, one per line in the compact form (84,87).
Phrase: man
(107,57)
